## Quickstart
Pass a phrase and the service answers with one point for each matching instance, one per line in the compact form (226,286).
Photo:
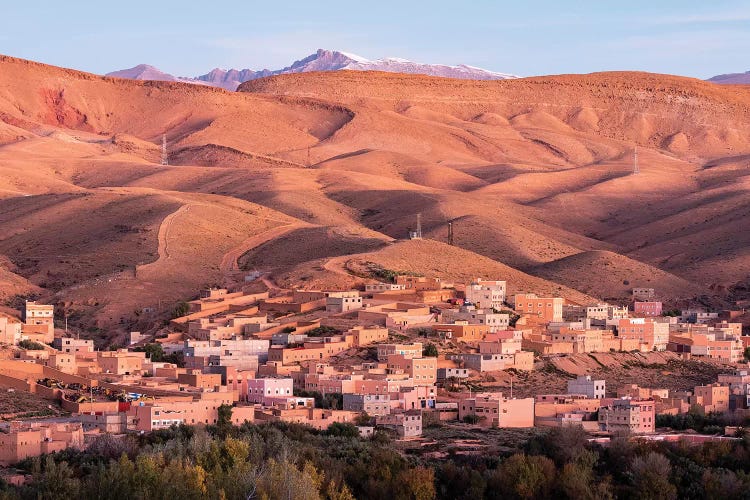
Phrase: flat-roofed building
(496,410)
(587,386)
(549,309)
(486,294)
(628,416)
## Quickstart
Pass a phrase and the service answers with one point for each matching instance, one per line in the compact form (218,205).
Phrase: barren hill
(296,172)
(612,276)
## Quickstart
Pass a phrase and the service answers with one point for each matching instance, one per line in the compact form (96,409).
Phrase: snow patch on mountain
(321,60)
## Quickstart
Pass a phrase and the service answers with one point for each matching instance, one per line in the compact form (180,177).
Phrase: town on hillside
(405,356)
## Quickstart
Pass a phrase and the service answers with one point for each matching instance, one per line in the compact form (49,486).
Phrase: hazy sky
(693,38)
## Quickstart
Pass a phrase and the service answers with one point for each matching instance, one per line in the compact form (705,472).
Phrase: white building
(585,385)
(496,321)
(486,294)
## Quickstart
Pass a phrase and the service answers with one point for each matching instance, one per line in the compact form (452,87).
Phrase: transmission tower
(635,160)
(164,157)
(417,235)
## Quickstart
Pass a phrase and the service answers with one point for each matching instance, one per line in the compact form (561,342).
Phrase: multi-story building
(422,370)
(713,398)
(406,424)
(260,390)
(461,331)
(495,410)
(559,410)
(407,350)
(372,404)
(10,330)
(647,309)
(341,302)
(549,309)
(586,386)
(71,345)
(38,322)
(396,315)
(486,294)
(643,294)
(582,340)
(383,287)
(653,334)
(449,373)
(24,440)
(605,312)
(495,322)
(419,282)
(364,336)
(521,360)
(121,362)
(628,416)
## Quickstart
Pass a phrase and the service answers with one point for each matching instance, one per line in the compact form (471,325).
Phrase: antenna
(164,157)
(635,160)
(450,233)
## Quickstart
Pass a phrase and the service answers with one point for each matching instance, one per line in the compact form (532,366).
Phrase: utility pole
(309,163)
(164,157)
(450,233)
(635,160)
(419,226)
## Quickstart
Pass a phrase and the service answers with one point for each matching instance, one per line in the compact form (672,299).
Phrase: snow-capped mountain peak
(321,60)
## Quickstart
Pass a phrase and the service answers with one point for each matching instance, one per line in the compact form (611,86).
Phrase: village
(401,355)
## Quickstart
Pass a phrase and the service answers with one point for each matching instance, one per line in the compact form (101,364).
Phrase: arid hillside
(307,176)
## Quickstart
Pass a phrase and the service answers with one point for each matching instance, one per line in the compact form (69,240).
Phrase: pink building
(422,370)
(628,416)
(495,410)
(713,398)
(260,390)
(647,309)
(653,334)
(406,424)
(33,439)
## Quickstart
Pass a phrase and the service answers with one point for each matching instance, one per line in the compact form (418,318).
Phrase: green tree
(577,479)
(430,351)
(650,475)
(224,421)
(52,481)
(282,481)
(526,477)
(30,345)
(342,429)
(154,351)
(417,483)
(181,309)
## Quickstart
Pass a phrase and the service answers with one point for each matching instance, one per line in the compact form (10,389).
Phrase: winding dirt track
(229,262)
(163,247)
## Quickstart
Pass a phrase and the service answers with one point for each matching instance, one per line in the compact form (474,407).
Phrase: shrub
(30,345)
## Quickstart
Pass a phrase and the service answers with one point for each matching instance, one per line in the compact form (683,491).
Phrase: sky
(691,38)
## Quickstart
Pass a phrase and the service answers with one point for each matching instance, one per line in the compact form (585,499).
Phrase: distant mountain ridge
(732,78)
(322,60)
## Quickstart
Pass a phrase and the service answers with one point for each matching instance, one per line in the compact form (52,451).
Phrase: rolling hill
(304,174)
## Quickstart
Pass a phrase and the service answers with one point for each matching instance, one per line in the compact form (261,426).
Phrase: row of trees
(282,461)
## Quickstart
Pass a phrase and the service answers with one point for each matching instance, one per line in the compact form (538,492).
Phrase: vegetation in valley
(276,461)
